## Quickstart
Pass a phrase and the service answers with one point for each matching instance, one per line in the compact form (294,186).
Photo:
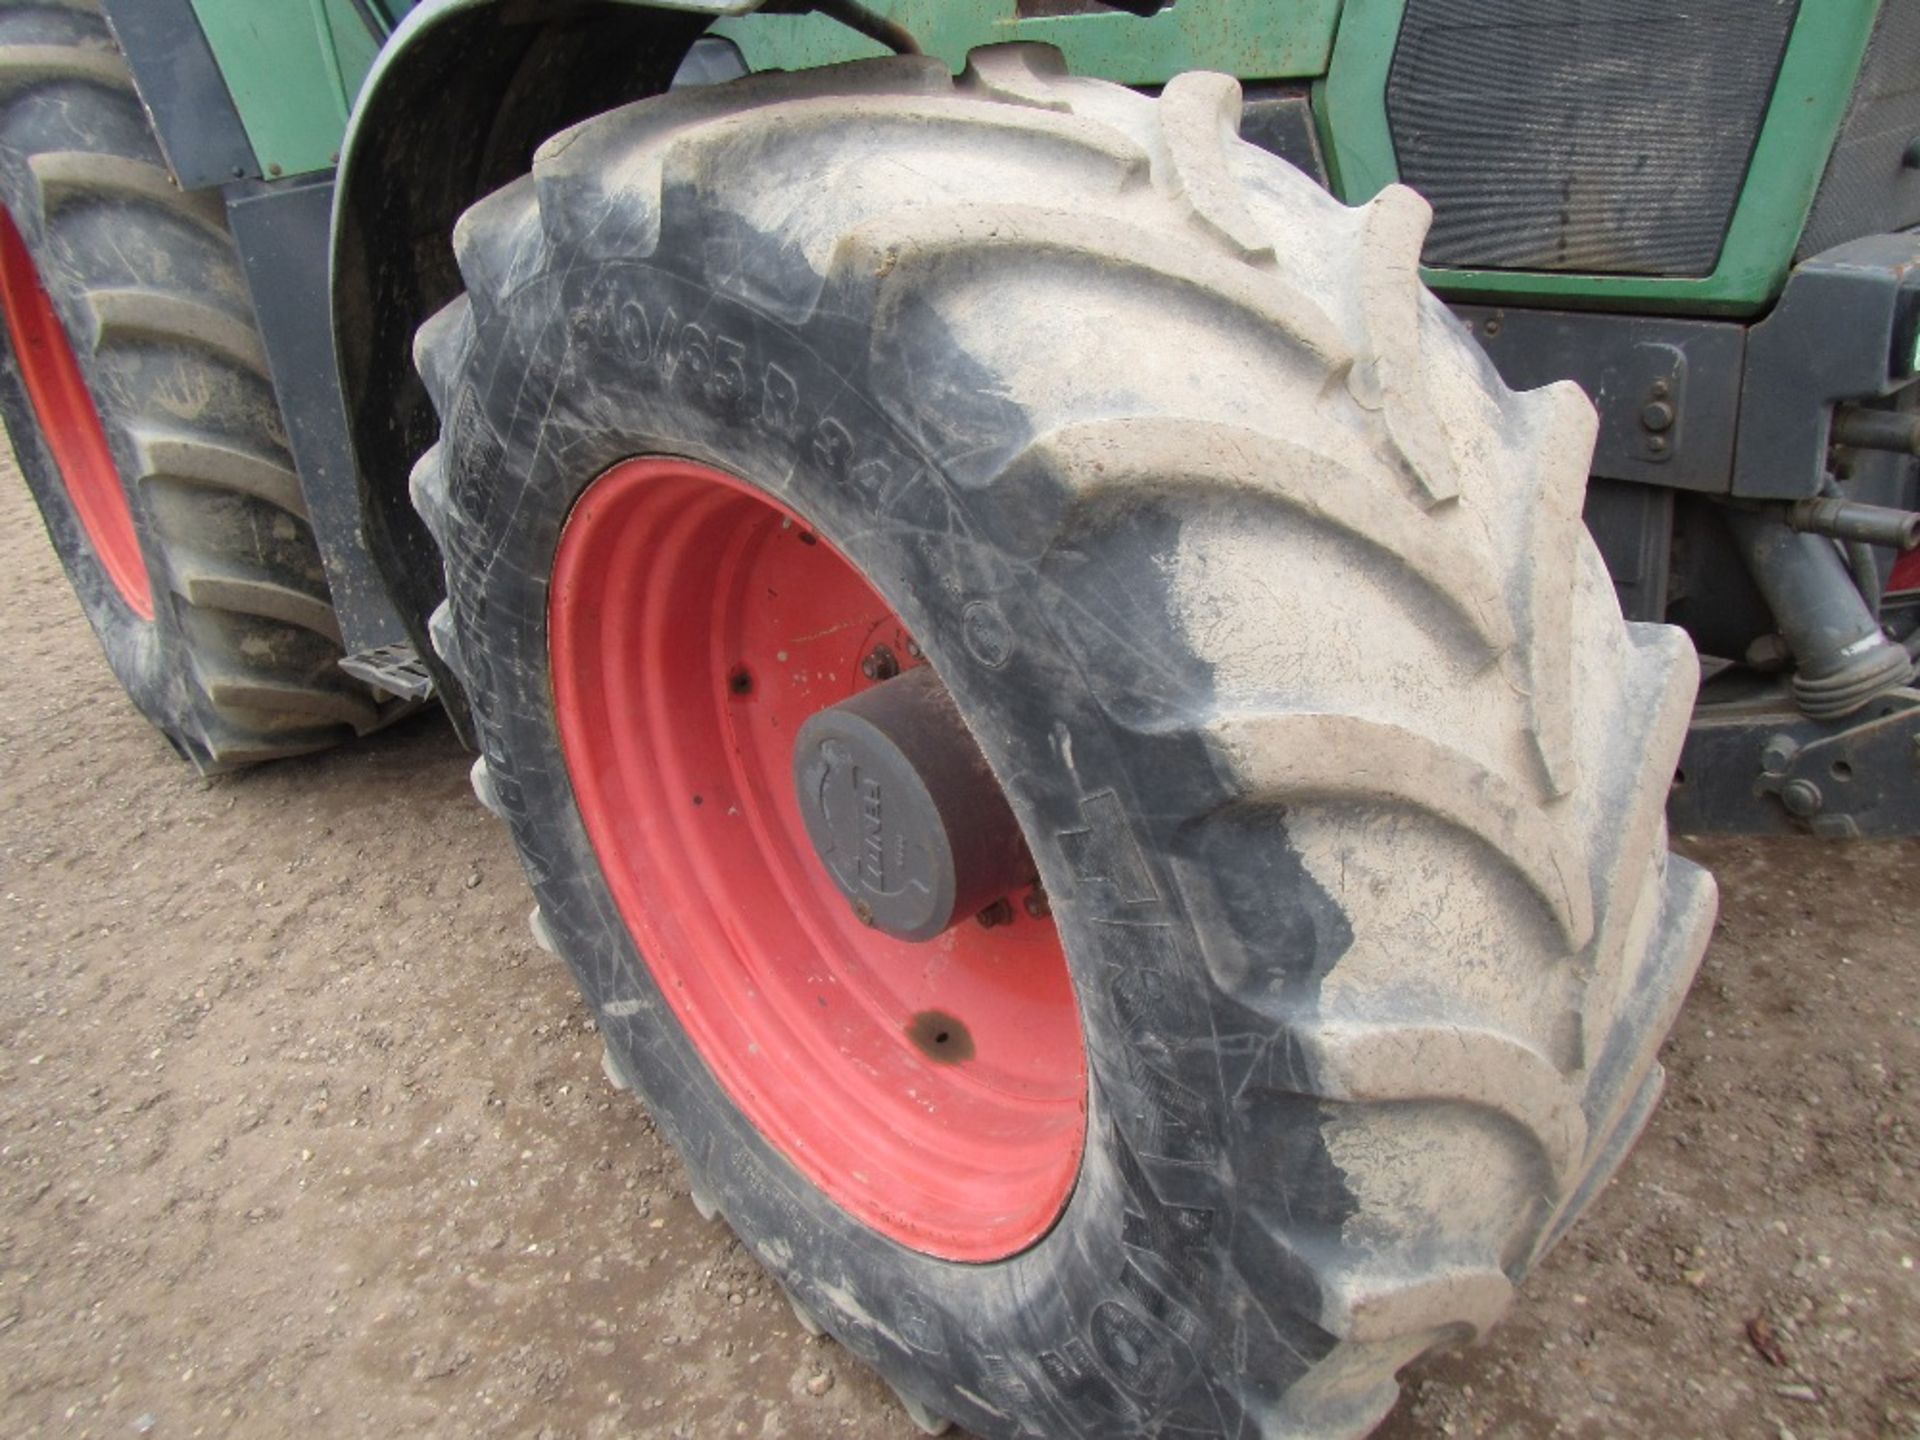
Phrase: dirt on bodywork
(300,1132)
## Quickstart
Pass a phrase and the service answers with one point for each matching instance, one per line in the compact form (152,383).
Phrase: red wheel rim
(936,1091)
(69,423)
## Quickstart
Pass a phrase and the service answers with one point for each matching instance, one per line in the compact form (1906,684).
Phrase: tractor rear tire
(142,413)
(1270,608)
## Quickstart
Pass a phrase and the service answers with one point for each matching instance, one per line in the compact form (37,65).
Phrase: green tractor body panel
(1252,41)
(293,69)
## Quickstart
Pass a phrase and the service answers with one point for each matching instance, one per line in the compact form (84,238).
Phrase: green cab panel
(293,68)
(1816,80)
(1253,39)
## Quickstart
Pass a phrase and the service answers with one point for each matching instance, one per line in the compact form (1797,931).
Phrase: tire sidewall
(1113,1320)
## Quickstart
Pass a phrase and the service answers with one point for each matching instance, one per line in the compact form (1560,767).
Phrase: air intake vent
(1601,136)
(1871,184)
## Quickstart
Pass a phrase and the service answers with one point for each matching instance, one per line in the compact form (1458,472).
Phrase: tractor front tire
(1272,612)
(137,395)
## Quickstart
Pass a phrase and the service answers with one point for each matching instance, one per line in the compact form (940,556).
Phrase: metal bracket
(281,231)
(1663,402)
(1841,785)
(183,92)
(1838,333)
(1767,771)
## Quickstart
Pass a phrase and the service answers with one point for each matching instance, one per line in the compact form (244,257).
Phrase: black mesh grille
(1603,136)
(1867,189)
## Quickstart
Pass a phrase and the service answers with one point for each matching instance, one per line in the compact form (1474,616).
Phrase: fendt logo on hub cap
(849,814)
(873,835)
(903,809)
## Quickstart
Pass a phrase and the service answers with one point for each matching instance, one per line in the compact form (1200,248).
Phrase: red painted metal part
(936,1091)
(1906,572)
(69,423)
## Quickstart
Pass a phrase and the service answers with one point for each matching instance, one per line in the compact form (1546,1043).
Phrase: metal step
(395,669)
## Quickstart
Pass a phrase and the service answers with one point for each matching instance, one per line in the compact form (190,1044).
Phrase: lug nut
(1000,912)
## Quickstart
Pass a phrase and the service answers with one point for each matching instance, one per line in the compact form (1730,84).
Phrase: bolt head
(1000,912)
(1778,755)
(1657,415)
(1802,798)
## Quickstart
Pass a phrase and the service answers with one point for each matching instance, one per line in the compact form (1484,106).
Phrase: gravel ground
(299,1133)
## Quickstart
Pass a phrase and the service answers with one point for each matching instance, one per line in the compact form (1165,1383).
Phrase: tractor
(1089,618)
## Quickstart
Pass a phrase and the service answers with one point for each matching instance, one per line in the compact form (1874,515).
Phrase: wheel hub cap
(903,809)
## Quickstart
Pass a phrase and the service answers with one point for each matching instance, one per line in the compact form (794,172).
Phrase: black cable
(1866,574)
(861,20)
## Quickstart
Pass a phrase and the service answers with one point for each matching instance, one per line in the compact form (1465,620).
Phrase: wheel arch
(457,100)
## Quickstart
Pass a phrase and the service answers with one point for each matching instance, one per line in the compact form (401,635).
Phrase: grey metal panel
(1633,526)
(1832,337)
(192,112)
(1667,390)
(282,230)
(1279,119)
